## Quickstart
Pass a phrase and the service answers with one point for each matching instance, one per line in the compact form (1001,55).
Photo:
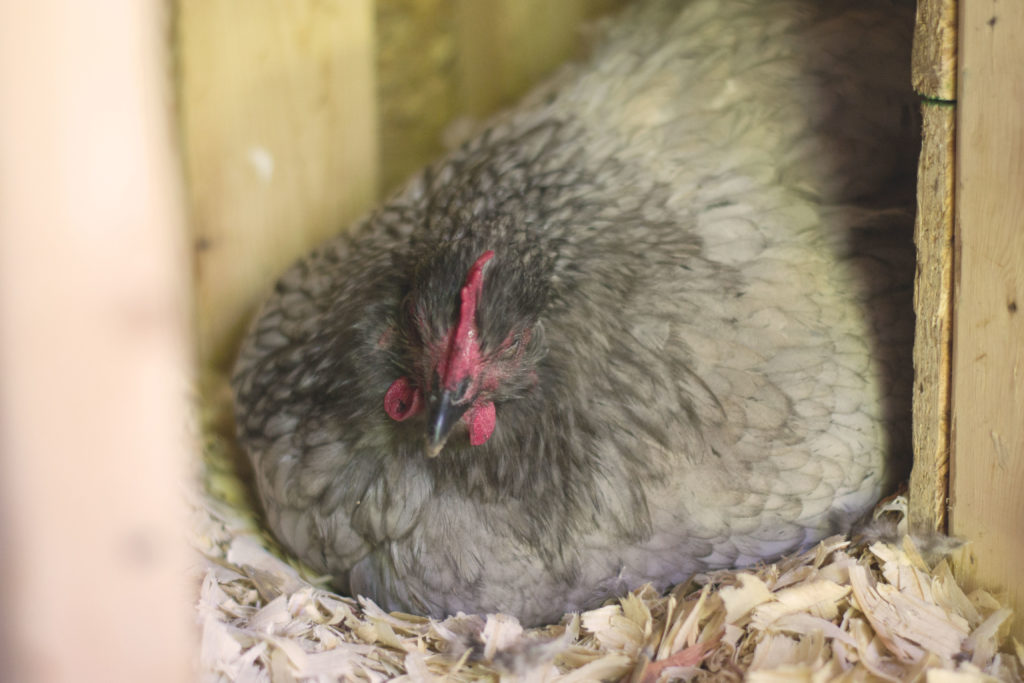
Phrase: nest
(848,609)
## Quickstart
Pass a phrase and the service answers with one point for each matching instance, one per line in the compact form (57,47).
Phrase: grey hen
(654,321)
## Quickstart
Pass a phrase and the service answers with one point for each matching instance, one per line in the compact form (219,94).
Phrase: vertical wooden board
(987,466)
(94,348)
(934,54)
(933,304)
(278,114)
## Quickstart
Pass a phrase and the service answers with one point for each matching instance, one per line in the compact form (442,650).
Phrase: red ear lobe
(402,400)
(481,419)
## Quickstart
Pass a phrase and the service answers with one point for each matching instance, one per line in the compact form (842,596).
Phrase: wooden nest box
(359,105)
(347,98)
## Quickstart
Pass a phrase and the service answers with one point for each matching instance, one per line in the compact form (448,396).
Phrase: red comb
(464,354)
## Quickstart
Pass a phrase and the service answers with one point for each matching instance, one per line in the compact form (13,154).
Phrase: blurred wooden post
(93,347)
(279,124)
(987,458)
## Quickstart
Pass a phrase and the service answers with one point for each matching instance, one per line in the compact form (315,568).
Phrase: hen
(654,321)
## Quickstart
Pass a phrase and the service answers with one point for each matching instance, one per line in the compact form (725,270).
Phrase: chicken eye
(513,346)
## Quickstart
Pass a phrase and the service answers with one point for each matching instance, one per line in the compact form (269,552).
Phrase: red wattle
(481,419)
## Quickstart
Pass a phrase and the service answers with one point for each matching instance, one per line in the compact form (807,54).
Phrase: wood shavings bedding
(842,611)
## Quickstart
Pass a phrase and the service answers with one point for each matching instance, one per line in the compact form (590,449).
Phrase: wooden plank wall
(968,475)
(278,114)
(987,456)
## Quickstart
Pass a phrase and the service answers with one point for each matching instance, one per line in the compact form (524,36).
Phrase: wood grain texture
(279,121)
(933,308)
(94,349)
(441,61)
(417,92)
(508,45)
(934,54)
(987,459)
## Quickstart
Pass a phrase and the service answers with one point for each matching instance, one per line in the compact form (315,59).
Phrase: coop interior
(162,164)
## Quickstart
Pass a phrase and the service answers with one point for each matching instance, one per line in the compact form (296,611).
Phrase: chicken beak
(443,415)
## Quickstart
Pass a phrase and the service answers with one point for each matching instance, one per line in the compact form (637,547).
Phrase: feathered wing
(297,382)
(787,147)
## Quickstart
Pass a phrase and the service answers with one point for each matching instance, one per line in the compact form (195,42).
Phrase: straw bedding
(875,608)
